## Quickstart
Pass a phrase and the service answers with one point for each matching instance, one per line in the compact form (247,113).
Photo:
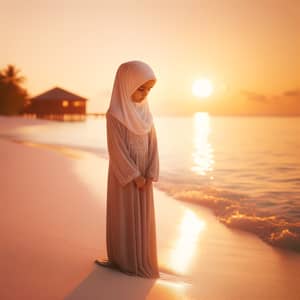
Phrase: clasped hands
(142,182)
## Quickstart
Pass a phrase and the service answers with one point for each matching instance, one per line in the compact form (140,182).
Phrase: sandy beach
(53,206)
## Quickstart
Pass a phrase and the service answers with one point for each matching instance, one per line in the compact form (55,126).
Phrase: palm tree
(10,75)
(12,95)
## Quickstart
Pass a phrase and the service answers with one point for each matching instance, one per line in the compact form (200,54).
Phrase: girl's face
(140,94)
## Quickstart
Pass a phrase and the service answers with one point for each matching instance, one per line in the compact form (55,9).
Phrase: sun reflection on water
(185,245)
(203,158)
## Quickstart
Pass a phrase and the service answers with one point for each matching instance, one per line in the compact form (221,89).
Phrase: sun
(202,88)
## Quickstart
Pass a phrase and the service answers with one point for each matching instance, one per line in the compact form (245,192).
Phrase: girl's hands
(140,181)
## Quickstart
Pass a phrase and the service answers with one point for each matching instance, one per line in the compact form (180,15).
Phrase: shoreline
(77,152)
(53,228)
(53,204)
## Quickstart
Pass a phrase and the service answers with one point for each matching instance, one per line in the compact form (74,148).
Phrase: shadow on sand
(103,283)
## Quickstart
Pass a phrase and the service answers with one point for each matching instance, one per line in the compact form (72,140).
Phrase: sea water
(246,169)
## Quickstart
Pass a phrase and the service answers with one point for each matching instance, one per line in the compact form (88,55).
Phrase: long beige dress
(130,219)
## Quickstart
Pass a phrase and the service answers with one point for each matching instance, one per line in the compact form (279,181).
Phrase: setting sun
(202,88)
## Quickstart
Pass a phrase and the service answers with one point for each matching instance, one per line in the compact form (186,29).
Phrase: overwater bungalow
(57,104)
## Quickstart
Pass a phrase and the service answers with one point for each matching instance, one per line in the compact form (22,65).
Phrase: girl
(133,166)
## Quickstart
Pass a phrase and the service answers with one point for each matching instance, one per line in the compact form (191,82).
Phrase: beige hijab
(135,116)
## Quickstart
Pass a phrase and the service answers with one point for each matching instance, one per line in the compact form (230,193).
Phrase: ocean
(245,169)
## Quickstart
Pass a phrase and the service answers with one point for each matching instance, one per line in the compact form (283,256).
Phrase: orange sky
(250,49)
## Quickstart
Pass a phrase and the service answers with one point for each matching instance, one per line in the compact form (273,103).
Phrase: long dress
(130,216)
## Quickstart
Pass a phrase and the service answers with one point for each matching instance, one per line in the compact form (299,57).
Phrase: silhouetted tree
(12,96)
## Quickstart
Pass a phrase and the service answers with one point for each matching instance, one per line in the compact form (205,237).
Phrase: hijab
(135,116)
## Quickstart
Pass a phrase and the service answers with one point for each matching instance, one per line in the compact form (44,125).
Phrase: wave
(238,211)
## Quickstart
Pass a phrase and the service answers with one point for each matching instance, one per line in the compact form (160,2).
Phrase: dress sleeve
(122,164)
(153,165)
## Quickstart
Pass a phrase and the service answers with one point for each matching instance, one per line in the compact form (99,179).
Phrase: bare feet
(107,264)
